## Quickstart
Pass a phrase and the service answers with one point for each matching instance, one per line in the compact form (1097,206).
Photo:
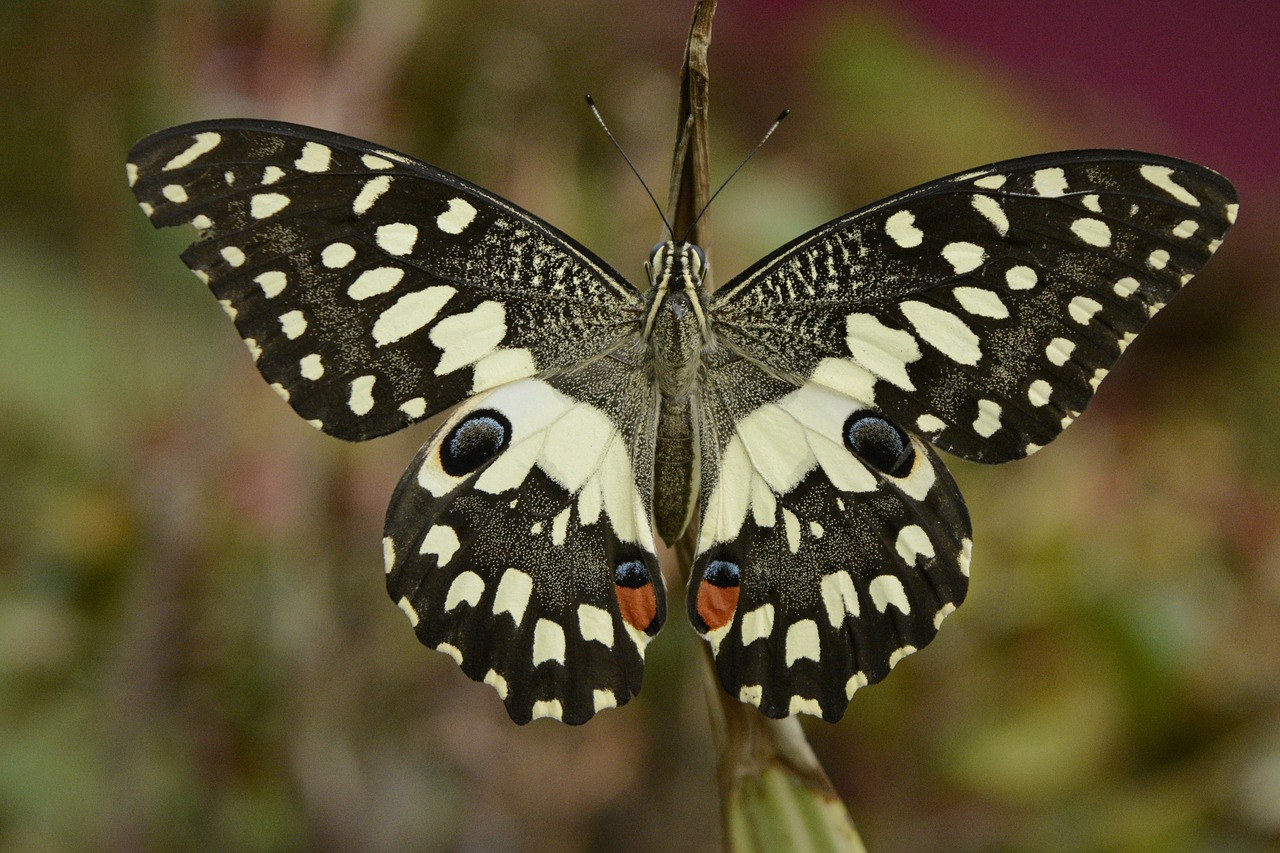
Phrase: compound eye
(655,255)
(697,260)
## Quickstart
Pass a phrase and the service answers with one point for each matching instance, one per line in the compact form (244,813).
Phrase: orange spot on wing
(639,605)
(716,604)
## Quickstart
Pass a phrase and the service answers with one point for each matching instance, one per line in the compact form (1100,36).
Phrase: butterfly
(791,418)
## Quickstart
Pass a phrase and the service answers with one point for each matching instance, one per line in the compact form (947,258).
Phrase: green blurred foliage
(195,649)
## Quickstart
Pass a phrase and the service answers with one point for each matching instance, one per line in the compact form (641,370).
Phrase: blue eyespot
(722,573)
(631,574)
(479,437)
(879,443)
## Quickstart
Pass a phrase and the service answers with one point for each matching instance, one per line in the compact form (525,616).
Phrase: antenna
(782,115)
(592,104)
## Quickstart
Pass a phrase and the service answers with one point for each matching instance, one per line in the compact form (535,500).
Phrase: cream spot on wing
(992,212)
(233,256)
(264,205)
(315,158)
(1082,309)
(502,366)
(388,553)
(410,313)
(337,255)
(1059,351)
(943,612)
(361,400)
(1091,203)
(271,174)
(466,588)
(396,238)
(1125,287)
(602,699)
(548,642)
(944,331)
(1020,278)
(913,543)
(881,350)
(1095,232)
(981,302)
(442,542)
(858,679)
(595,624)
(803,642)
(513,594)
(964,257)
(1039,392)
(929,423)
(452,651)
(1162,177)
(375,282)
(547,708)
(373,162)
(203,143)
(886,590)
(1049,182)
(492,678)
(757,624)
(791,525)
(407,606)
(272,283)
(990,182)
(293,324)
(1158,259)
(898,654)
(466,338)
(902,230)
(1185,228)
(414,408)
(459,215)
(839,597)
(372,190)
(988,420)
(1232,211)
(311,367)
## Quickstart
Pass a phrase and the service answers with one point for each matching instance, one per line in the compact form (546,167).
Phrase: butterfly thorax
(676,333)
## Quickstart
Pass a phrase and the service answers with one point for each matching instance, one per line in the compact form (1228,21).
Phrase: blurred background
(196,648)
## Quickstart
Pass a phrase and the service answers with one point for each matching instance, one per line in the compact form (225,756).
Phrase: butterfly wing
(520,541)
(372,289)
(979,312)
(832,542)
(986,306)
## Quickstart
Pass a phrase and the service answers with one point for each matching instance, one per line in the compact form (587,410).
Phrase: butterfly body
(789,418)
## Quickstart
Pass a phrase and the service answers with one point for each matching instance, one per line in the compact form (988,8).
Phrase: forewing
(373,290)
(982,310)
(519,541)
(816,570)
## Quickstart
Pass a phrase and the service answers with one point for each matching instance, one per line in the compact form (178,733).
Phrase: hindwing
(520,541)
(833,543)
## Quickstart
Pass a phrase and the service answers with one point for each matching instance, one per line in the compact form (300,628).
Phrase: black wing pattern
(372,289)
(987,306)
(978,312)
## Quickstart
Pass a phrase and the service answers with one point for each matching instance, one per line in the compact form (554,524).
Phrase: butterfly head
(676,266)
